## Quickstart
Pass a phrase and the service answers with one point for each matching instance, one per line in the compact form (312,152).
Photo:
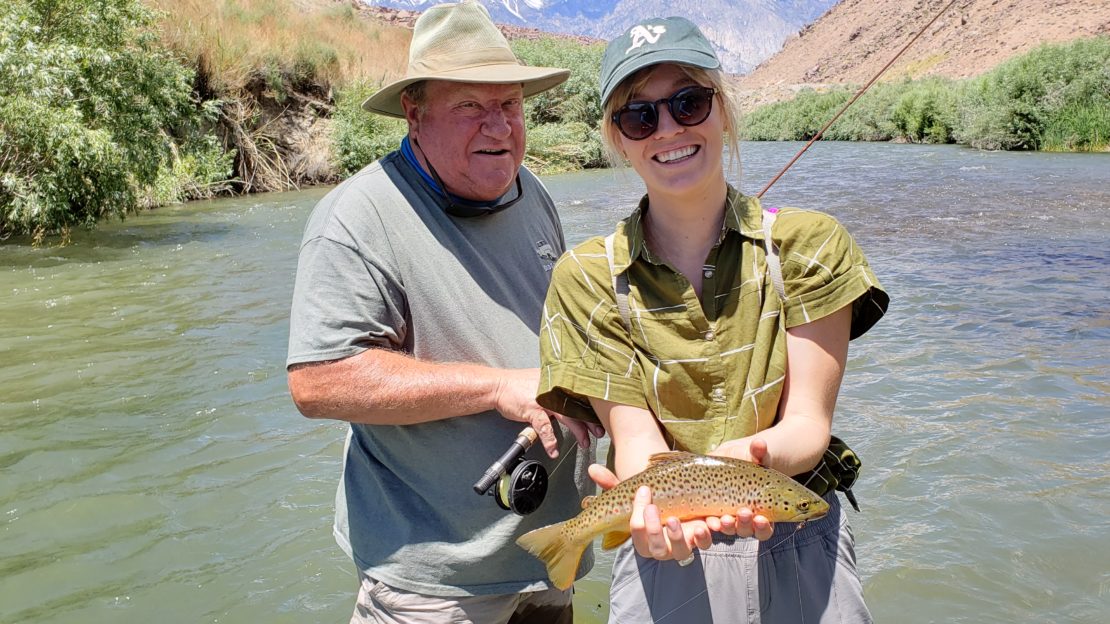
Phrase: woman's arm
(816,356)
(635,436)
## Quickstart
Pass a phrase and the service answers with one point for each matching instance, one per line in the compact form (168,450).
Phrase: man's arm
(382,387)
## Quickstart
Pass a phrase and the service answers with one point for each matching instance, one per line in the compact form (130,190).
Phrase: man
(419,292)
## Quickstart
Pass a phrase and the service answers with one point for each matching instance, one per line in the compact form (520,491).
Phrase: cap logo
(645,34)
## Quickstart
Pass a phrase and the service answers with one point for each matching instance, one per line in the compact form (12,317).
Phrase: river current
(153,468)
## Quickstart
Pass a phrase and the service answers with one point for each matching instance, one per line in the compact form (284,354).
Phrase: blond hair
(726,105)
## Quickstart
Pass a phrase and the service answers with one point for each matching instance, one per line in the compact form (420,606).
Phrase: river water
(153,468)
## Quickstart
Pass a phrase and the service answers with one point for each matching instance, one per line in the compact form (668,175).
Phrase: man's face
(473,135)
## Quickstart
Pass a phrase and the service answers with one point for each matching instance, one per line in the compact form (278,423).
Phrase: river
(153,468)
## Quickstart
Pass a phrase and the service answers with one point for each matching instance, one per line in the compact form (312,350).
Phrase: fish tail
(557,551)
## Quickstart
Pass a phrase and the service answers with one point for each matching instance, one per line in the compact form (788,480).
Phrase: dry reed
(236,41)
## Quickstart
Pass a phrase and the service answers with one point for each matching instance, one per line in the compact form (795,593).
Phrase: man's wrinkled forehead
(447,90)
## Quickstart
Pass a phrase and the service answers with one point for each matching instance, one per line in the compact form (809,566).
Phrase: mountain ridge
(755,28)
(855,38)
(846,45)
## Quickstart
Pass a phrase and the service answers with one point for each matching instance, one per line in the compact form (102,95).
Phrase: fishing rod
(855,97)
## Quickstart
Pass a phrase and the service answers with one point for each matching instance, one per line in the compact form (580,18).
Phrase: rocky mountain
(854,39)
(744,32)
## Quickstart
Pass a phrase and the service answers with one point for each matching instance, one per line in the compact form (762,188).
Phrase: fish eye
(804,505)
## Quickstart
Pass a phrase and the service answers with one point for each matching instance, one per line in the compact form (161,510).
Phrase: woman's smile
(676,155)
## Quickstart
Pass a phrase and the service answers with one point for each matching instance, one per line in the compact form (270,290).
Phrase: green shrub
(869,118)
(1079,128)
(561,147)
(200,169)
(1055,97)
(925,112)
(87,107)
(577,100)
(360,137)
(795,120)
(563,122)
(1012,106)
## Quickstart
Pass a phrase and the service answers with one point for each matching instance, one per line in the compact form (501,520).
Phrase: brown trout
(683,485)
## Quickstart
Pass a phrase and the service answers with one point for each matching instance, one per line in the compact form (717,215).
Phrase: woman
(679,331)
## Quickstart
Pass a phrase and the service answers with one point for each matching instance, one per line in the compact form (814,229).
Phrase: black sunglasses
(689,106)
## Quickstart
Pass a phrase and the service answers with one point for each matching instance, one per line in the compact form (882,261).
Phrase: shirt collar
(742,215)
(410,158)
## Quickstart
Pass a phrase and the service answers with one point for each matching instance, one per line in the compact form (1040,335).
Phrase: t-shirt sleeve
(585,350)
(824,270)
(346,300)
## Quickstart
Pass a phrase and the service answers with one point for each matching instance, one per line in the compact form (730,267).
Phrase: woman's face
(676,159)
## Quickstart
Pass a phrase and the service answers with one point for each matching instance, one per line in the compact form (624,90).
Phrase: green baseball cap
(651,42)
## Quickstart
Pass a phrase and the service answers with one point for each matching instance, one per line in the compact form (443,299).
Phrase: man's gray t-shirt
(382,265)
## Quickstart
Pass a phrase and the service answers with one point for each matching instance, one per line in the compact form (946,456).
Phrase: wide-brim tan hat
(460,43)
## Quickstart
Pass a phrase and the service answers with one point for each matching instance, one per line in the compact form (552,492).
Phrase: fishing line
(855,97)
(674,610)
(798,580)
(565,455)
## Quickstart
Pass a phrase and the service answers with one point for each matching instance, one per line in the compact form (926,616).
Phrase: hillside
(857,37)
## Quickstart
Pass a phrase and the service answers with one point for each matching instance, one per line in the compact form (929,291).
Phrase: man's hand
(516,400)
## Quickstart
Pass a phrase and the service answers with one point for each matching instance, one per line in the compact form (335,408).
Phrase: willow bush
(88,103)
(925,111)
(1054,97)
(360,137)
(795,120)
(1055,94)
(563,123)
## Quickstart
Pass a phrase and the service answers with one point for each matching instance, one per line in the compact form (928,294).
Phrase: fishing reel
(517,484)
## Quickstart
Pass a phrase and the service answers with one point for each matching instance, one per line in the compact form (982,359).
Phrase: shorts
(799,576)
(379,603)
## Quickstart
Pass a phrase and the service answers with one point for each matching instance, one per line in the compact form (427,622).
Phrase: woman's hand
(745,523)
(663,539)
(653,536)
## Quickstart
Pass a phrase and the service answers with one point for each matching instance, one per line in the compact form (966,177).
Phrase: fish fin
(586,501)
(613,539)
(560,555)
(667,457)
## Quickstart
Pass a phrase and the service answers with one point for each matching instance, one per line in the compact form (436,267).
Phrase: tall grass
(323,42)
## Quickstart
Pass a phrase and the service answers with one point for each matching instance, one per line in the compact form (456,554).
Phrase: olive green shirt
(711,370)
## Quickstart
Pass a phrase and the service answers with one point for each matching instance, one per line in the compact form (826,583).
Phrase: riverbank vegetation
(110,107)
(90,106)
(1055,98)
